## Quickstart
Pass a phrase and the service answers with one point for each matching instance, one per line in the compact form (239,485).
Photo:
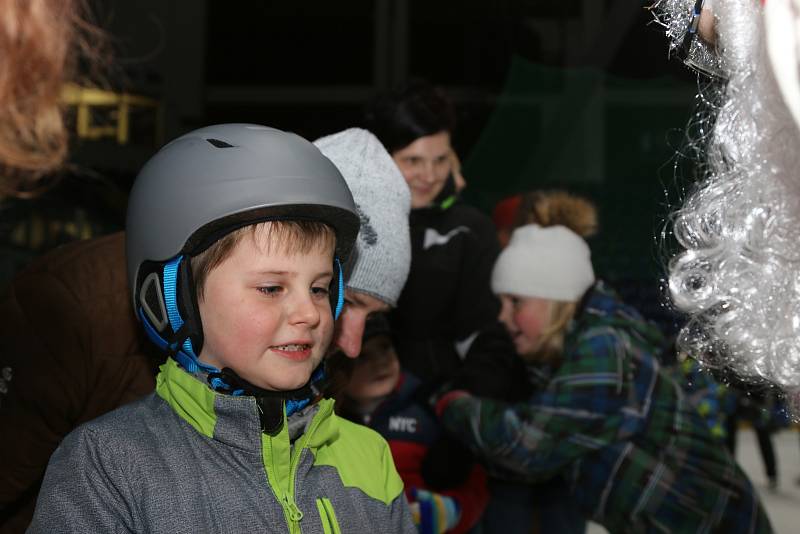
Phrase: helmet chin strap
(270,403)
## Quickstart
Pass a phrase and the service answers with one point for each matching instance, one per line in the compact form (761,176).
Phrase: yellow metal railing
(86,98)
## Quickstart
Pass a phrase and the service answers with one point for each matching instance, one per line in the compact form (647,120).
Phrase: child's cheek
(528,323)
(323,331)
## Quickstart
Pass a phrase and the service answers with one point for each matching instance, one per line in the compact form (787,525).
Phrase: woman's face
(425,165)
(525,318)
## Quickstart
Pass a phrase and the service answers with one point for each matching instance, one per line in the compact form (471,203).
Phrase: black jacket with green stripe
(188,459)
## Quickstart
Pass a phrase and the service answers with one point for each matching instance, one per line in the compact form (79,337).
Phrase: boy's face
(376,370)
(266,313)
(525,318)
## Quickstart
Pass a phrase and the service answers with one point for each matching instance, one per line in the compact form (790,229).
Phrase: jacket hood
(232,419)
(603,307)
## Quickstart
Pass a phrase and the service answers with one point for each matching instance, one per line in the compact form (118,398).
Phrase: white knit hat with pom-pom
(551,263)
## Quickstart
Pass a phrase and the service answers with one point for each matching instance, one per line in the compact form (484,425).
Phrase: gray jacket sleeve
(83,490)
(400,519)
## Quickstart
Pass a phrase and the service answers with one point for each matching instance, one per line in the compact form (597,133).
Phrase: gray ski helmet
(204,185)
(221,177)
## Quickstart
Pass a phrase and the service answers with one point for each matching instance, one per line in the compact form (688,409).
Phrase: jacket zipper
(291,511)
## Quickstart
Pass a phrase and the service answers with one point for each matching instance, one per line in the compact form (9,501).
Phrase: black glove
(492,368)
(447,464)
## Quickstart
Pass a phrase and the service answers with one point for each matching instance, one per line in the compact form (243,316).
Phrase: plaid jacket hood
(602,307)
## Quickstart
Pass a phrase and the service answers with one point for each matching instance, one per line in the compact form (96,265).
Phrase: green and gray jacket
(187,459)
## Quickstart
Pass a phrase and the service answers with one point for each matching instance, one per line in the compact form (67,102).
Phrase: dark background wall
(574,93)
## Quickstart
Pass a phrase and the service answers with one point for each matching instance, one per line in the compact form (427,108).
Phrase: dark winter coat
(70,350)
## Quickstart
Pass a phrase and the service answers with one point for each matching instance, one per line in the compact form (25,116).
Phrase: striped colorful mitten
(434,513)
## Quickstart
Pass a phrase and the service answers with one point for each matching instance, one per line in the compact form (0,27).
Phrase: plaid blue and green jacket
(637,455)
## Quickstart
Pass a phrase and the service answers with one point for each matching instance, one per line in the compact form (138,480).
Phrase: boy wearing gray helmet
(235,239)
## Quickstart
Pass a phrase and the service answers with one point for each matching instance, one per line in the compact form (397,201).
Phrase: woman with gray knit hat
(379,267)
(636,455)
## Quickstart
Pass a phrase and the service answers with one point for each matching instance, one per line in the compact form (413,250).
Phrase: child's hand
(434,513)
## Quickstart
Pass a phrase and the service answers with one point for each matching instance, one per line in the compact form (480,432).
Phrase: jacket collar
(232,420)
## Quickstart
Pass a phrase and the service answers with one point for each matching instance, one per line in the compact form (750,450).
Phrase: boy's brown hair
(272,236)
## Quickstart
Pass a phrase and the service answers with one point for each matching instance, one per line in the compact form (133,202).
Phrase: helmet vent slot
(151,300)
(219,144)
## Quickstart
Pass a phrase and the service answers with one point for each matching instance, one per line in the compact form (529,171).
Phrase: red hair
(40,43)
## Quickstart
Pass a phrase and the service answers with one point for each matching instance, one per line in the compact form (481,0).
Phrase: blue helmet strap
(185,333)
(337,288)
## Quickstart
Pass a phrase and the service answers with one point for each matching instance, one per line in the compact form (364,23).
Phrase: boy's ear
(188,306)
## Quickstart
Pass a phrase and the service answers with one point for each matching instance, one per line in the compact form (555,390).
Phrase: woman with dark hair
(445,324)
(446,311)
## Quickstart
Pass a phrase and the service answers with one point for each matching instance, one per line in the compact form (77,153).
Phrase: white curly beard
(739,275)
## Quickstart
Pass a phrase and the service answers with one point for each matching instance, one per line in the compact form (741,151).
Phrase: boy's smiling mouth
(298,350)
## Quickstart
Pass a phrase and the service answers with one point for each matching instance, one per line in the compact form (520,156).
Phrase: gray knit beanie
(382,257)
